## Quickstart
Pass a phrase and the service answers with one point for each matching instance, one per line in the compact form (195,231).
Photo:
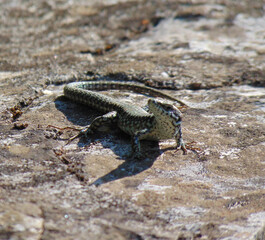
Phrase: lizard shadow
(82,115)
(131,167)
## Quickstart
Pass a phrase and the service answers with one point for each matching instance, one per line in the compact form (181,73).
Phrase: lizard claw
(74,137)
(184,149)
(83,132)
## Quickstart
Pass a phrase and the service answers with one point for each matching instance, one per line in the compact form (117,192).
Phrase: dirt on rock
(208,53)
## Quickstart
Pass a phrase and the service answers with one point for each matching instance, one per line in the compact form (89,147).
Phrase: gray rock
(208,54)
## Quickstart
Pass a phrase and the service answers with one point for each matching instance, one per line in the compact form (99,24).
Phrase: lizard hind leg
(107,118)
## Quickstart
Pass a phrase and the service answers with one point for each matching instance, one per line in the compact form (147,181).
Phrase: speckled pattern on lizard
(158,121)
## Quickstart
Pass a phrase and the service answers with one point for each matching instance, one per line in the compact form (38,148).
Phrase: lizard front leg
(179,141)
(136,147)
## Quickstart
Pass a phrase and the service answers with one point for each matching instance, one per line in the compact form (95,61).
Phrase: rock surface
(208,53)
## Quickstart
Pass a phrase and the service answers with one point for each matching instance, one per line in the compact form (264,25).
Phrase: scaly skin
(160,121)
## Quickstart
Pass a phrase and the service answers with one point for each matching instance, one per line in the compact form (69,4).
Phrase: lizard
(158,121)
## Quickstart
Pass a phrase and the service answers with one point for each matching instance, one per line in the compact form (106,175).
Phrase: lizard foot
(84,132)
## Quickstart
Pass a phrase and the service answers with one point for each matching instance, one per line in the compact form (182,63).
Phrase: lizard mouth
(172,111)
(174,114)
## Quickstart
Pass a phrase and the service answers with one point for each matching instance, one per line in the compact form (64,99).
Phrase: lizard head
(167,118)
(167,121)
(165,111)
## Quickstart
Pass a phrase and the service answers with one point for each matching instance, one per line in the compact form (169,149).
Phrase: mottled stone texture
(208,53)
